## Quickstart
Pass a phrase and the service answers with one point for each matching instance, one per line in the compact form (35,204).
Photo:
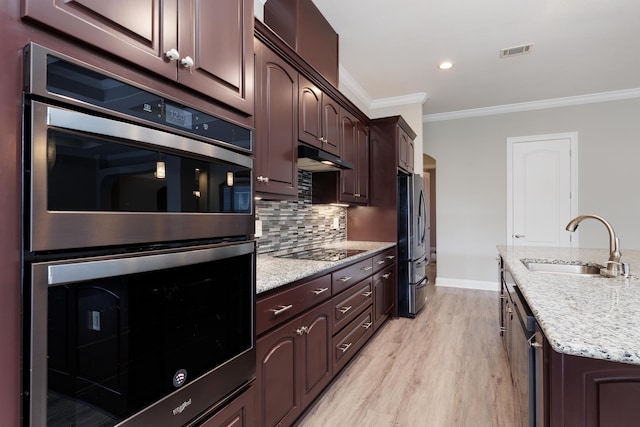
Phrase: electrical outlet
(336,223)
(258,232)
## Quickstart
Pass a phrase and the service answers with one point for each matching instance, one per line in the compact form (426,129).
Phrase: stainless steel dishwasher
(519,335)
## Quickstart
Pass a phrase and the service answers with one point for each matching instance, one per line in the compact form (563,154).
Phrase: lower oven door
(144,339)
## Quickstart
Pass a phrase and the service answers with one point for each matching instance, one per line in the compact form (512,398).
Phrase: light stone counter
(593,317)
(272,272)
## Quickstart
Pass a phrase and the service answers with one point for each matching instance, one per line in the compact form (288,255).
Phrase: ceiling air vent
(516,50)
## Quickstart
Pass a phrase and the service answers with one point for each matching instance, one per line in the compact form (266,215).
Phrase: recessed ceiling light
(445,65)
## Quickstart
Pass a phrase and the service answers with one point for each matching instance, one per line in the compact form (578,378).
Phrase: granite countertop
(594,317)
(272,272)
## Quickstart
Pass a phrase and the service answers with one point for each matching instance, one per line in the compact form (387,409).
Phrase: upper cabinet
(405,149)
(319,118)
(301,25)
(354,183)
(276,125)
(205,45)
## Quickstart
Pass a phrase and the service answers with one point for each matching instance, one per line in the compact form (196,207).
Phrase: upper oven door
(94,181)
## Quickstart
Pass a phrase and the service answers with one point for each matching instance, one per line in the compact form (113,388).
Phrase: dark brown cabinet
(405,150)
(293,366)
(384,289)
(309,331)
(318,117)
(354,183)
(302,26)
(276,125)
(204,45)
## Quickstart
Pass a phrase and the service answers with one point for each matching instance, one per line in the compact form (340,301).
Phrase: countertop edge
(272,272)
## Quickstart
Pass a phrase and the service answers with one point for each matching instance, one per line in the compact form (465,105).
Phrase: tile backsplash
(290,225)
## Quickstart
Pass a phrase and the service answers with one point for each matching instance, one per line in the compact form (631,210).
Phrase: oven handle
(74,120)
(130,264)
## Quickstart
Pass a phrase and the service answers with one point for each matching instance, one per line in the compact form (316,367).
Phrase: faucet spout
(614,243)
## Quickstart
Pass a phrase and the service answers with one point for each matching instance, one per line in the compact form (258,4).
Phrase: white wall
(471,185)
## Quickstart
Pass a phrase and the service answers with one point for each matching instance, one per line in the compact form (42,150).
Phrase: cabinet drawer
(237,413)
(347,342)
(384,259)
(350,303)
(348,276)
(272,310)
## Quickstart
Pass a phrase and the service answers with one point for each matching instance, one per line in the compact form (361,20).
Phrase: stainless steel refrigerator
(413,238)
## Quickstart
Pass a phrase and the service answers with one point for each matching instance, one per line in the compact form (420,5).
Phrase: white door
(542,178)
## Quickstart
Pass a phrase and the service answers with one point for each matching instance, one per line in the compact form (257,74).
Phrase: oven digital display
(178,117)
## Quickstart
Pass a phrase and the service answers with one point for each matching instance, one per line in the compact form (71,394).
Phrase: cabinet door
(331,125)
(362,162)
(310,113)
(276,123)
(405,151)
(278,401)
(383,288)
(315,357)
(138,31)
(218,38)
(348,178)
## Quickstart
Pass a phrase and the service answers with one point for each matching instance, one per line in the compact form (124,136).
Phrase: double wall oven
(139,263)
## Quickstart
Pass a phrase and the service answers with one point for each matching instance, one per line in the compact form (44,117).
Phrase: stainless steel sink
(572,268)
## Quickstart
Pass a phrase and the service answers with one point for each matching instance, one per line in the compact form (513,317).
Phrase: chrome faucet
(613,263)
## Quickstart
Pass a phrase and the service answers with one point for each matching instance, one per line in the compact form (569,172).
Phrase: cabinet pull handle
(344,347)
(302,330)
(281,309)
(367,268)
(187,62)
(343,310)
(386,276)
(390,256)
(367,294)
(380,262)
(172,54)
(367,325)
(319,291)
(345,279)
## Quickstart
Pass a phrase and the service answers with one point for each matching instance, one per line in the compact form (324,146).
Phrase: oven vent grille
(516,50)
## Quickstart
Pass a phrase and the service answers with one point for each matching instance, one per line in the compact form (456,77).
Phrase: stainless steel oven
(139,259)
(151,338)
(110,163)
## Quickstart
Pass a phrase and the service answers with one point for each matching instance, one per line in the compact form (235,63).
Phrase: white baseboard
(467,284)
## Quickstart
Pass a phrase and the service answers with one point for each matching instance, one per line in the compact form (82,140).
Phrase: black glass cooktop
(322,254)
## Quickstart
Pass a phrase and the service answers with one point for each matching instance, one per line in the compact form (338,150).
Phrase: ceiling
(392,48)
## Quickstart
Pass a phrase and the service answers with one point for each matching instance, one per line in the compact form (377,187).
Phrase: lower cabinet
(309,331)
(294,364)
(238,413)
(384,285)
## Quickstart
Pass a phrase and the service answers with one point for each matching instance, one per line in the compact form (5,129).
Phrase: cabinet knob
(386,276)
(263,179)
(302,330)
(172,54)
(187,62)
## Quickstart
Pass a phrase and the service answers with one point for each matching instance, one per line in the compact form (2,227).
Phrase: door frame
(573,159)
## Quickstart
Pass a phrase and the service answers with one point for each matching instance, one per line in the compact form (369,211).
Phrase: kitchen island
(583,363)
(595,317)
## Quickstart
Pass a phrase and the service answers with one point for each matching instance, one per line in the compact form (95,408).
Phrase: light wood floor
(446,367)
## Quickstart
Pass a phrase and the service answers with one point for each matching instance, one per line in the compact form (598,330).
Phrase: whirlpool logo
(182,407)
(179,378)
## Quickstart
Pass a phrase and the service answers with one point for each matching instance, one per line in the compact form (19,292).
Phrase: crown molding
(348,82)
(534,105)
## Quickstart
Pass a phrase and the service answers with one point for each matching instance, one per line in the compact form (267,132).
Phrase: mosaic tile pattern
(290,225)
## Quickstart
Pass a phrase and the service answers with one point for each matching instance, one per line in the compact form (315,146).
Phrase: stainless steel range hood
(316,160)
